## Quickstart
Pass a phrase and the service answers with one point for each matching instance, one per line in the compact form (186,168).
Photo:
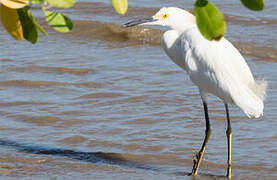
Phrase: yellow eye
(165,16)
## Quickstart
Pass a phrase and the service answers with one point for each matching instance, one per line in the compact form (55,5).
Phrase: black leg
(229,139)
(200,154)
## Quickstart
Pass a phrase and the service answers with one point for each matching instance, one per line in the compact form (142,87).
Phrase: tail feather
(259,88)
(250,99)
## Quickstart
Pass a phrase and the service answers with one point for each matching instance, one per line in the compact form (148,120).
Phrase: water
(106,103)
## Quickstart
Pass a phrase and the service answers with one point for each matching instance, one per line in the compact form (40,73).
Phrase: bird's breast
(171,43)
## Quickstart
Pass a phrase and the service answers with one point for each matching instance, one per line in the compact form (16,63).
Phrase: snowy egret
(215,67)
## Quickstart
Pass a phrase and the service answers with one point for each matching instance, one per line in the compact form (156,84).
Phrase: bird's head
(171,17)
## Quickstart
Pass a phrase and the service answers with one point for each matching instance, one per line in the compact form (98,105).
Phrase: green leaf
(61,3)
(30,32)
(209,20)
(40,29)
(120,6)
(58,21)
(35,1)
(255,5)
(37,26)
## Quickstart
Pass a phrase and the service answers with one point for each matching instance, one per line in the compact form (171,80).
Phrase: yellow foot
(229,173)
(195,160)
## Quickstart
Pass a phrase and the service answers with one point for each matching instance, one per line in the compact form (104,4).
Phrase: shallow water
(104,102)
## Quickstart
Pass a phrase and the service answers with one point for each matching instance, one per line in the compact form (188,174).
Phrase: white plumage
(215,67)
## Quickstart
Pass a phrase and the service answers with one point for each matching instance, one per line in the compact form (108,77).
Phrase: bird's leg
(229,139)
(199,155)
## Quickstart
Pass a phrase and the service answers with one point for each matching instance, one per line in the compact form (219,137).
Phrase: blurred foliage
(210,20)
(58,21)
(17,18)
(11,22)
(255,5)
(120,6)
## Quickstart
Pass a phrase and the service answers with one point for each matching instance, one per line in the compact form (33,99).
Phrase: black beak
(138,21)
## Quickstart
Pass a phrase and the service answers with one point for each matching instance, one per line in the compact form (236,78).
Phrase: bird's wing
(217,67)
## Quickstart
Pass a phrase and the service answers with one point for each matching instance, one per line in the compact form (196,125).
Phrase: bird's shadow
(89,157)
(92,157)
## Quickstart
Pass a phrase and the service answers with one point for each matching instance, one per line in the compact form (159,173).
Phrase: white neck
(184,21)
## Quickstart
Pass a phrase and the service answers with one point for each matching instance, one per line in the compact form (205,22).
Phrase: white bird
(215,67)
